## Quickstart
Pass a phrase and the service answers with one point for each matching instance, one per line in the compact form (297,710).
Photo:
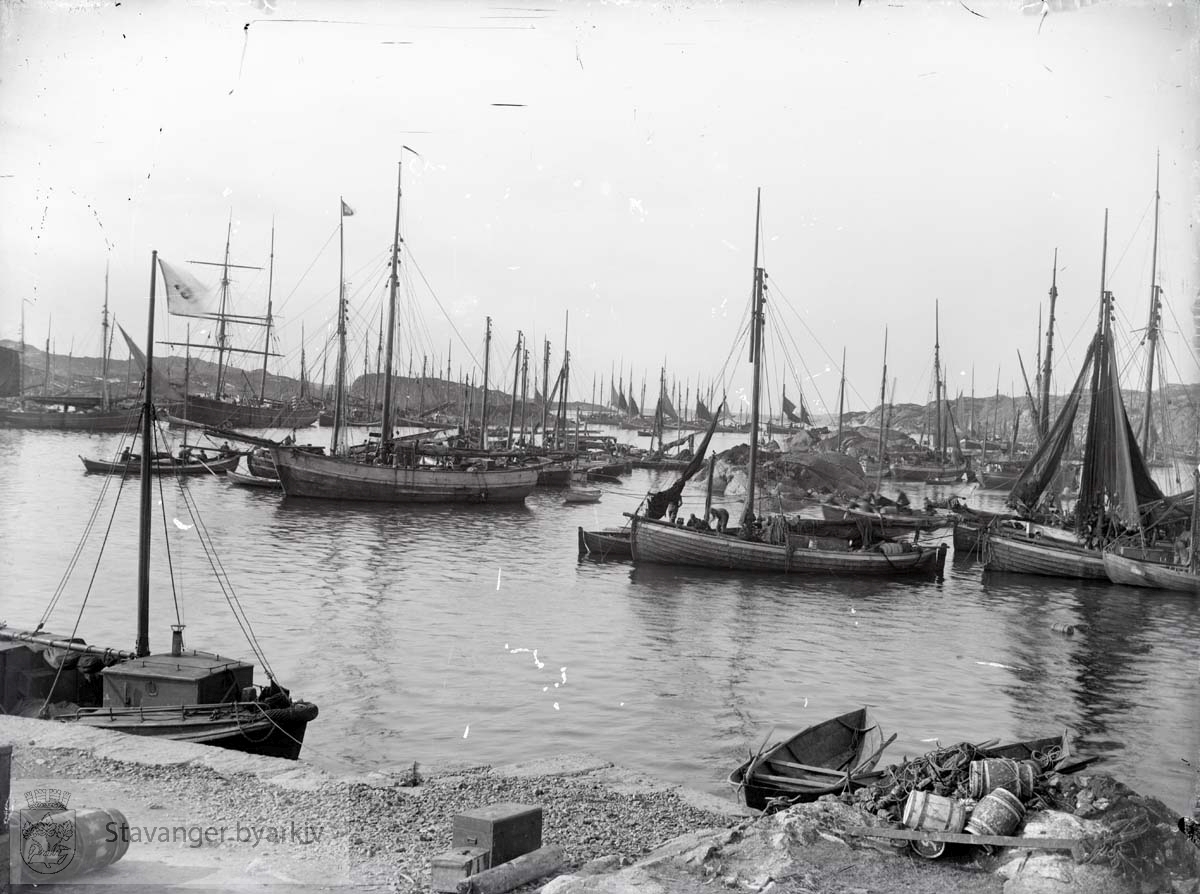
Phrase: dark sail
(621,405)
(633,408)
(656,506)
(10,372)
(789,410)
(1042,468)
(702,411)
(1115,480)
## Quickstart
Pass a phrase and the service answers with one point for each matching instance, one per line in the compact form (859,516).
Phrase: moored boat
(892,521)
(194,462)
(253,481)
(608,543)
(184,695)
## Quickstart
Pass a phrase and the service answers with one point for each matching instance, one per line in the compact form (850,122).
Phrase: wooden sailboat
(181,694)
(71,412)
(219,410)
(770,547)
(394,471)
(1114,481)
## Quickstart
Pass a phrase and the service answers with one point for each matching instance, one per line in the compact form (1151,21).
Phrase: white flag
(186,295)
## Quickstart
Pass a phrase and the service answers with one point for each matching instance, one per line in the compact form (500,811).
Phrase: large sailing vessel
(223,409)
(396,470)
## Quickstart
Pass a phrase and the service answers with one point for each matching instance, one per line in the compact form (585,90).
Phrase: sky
(593,168)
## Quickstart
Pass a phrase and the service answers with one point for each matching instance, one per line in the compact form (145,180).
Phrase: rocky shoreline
(219,820)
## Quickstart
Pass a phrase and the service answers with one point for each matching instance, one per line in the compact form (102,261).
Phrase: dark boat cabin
(194,678)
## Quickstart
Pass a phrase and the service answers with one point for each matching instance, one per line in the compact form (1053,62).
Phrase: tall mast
(142,647)
(1152,326)
(46,380)
(841,401)
(221,338)
(756,325)
(512,410)
(524,391)
(487,350)
(545,390)
(303,374)
(104,344)
(1044,419)
(882,403)
(262,391)
(393,286)
(560,426)
(940,441)
(339,399)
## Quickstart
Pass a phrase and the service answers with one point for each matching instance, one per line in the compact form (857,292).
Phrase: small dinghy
(582,495)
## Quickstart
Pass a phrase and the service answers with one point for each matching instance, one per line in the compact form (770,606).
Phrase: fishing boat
(398,472)
(1173,567)
(1114,479)
(184,695)
(836,756)
(762,545)
(191,461)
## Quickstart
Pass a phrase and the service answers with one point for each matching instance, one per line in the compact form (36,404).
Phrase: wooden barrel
(988,775)
(997,814)
(933,813)
(101,838)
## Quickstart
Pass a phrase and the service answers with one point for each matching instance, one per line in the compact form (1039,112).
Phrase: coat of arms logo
(47,838)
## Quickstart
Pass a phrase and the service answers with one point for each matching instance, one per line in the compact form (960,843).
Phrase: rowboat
(835,756)
(1135,572)
(161,464)
(609,543)
(1033,554)
(253,480)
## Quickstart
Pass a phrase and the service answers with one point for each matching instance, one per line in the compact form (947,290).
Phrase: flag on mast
(186,295)
(347,211)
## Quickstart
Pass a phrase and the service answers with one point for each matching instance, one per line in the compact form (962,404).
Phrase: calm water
(476,635)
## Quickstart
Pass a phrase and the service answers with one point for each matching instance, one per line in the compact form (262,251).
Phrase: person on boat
(289,441)
(722,517)
(902,500)
(673,507)
(226,450)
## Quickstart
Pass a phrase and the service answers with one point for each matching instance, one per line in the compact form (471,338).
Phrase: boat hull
(1023,556)
(253,480)
(1139,573)
(133,467)
(112,420)
(899,521)
(665,544)
(608,544)
(831,757)
(309,475)
(222,414)
(248,727)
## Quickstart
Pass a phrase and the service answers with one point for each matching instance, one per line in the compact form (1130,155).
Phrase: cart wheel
(930,850)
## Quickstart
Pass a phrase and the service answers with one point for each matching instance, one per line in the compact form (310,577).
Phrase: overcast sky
(602,159)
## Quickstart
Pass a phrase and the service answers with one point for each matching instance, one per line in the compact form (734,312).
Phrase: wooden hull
(1140,573)
(582,496)
(665,544)
(332,478)
(133,467)
(1025,556)
(261,464)
(932,474)
(897,522)
(997,480)
(831,757)
(555,474)
(111,420)
(248,727)
(253,481)
(222,414)
(611,543)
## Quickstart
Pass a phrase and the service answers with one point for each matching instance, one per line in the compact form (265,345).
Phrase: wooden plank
(1055,844)
(794,782)
(825,771)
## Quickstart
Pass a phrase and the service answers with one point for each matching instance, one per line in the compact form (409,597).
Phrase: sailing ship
(769,547)
(1114,479)
(395,471)
(187,297)
(182,694)
(69,412)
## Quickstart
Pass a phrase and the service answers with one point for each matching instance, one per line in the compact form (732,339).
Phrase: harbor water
(451,636)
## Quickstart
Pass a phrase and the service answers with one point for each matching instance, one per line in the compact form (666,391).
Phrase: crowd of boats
(1120,526)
